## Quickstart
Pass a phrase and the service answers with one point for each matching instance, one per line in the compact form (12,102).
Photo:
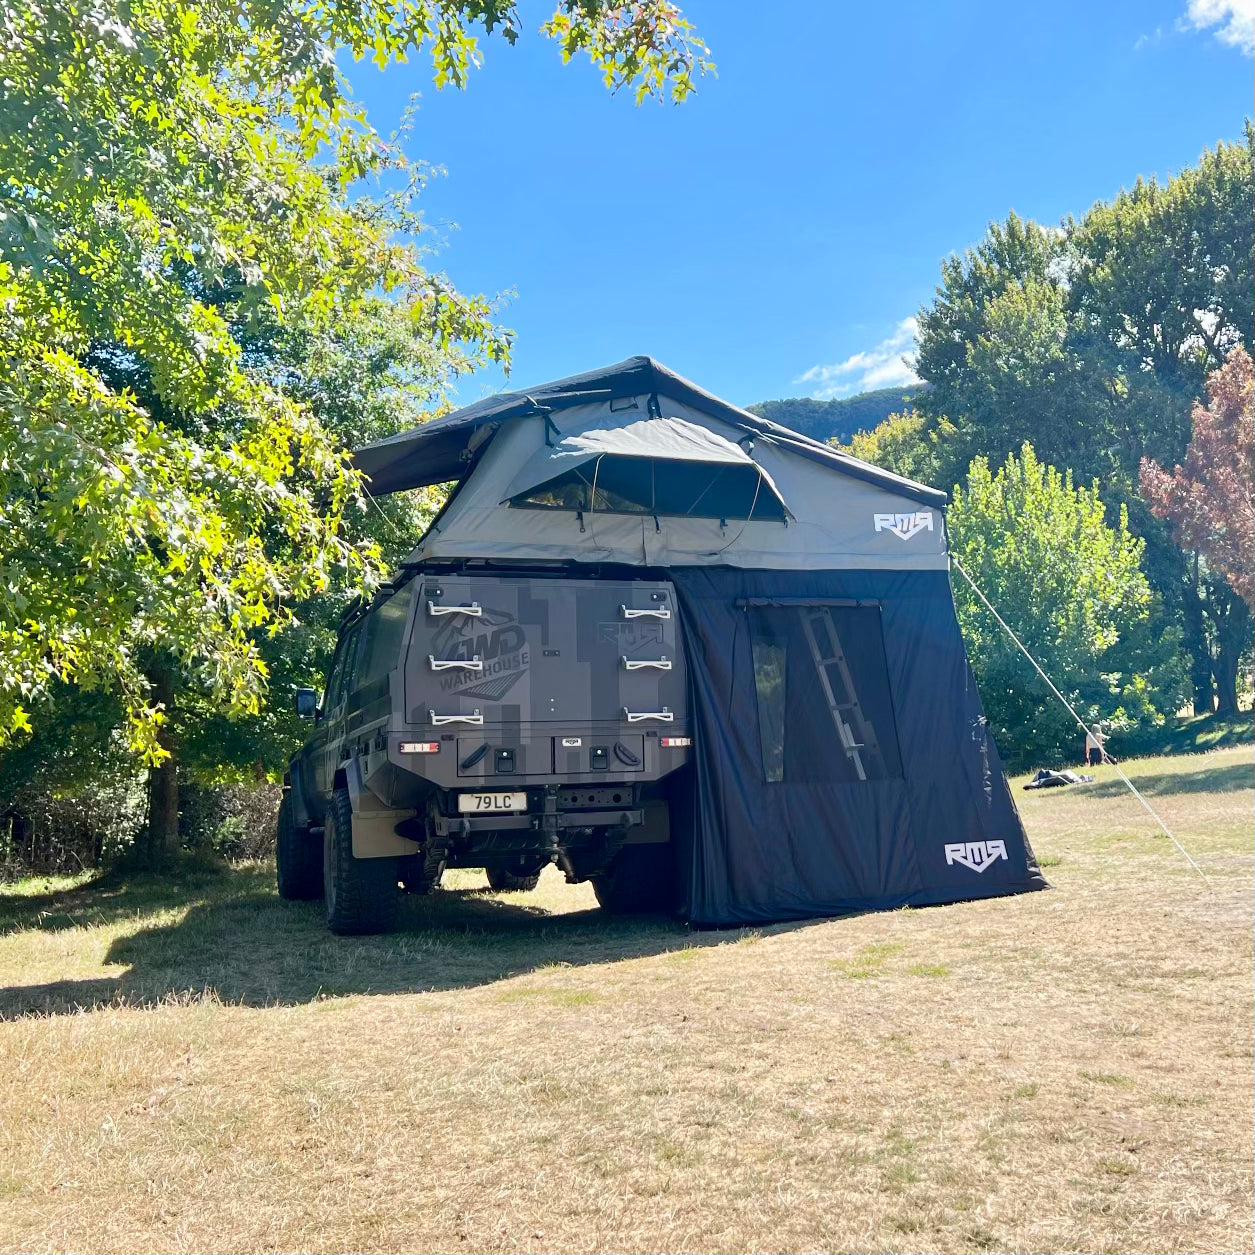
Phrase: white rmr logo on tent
(976,854)
(904,526)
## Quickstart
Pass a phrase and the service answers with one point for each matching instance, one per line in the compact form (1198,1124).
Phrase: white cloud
(1235,18)
(888,365)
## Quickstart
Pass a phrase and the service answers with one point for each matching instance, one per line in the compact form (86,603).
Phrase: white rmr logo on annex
(904,526)
(976,854)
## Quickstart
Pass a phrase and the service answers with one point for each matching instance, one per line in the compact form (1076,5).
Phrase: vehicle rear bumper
(465,825)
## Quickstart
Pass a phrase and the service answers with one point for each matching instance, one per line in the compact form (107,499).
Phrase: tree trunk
(1231,620)
(1226,671)
(160,842)
(1194,638)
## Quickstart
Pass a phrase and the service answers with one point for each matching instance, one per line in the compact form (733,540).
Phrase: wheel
(502,880)
(362,894)
(640,881)
(298,858)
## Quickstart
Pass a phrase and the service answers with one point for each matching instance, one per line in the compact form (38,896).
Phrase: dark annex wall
(843,760)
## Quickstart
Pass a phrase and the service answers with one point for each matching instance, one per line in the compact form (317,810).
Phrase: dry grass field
(206,1069)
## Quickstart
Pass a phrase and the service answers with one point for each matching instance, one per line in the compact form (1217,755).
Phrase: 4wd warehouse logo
(497,639)
(904,526)
(976,854)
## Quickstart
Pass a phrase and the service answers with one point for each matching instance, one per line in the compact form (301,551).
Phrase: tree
(989,341)
(905,444)
(364,379)
(1092,340)
(1210,499)
(1072,588)
(174,172)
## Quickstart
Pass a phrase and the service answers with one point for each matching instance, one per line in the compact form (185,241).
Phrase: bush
(236,821)
(51,833)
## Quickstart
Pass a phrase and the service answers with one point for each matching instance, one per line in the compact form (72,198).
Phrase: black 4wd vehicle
(496,721)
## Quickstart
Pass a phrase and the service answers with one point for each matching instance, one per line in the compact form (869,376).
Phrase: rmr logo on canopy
(904,526)
(976,854)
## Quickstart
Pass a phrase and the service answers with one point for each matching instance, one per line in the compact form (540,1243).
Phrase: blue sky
(775,235)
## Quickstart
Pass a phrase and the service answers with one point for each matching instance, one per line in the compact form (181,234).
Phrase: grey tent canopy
(441,451)
(637,465)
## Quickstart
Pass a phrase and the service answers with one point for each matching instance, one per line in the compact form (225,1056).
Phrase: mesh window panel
(825,713)
(658,486)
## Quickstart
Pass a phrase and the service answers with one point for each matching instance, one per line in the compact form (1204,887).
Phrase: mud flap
(374,824)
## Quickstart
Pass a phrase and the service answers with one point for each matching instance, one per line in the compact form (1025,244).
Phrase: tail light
(675,742)
(420,747)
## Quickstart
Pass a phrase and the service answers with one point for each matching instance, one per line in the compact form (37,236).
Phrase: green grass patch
(1192,735)
(555,997)
(1108,1078)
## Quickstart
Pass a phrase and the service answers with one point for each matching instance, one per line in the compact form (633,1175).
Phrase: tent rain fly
(659,466)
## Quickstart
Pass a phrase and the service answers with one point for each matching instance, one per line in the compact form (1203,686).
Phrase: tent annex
(809,583)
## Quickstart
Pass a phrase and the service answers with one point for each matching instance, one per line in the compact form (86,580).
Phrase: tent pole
(1101,747)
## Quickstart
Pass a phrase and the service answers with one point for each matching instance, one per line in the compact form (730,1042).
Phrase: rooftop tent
(442,451)
(682,479)
(842,758)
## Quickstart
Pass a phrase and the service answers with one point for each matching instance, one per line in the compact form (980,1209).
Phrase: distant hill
(822,420)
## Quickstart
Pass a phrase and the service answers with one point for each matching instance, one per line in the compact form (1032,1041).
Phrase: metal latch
(474,610)
(447,664)
(661,612)
(638,716)
(635,664)
(439,720)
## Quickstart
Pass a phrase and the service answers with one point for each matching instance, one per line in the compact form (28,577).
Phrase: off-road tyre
(503,881)
(362,894)
(298,858)
(640,881)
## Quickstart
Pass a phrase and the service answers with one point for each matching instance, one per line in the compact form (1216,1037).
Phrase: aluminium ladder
(855,732)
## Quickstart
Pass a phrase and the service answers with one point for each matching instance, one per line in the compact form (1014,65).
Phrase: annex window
(824,708)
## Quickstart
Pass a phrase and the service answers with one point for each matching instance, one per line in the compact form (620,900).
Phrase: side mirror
(306,703)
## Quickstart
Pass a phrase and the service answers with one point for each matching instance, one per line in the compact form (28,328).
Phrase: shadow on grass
(237,940)
(1213,780)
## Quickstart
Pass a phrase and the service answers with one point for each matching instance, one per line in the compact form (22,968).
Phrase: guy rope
(1102,749)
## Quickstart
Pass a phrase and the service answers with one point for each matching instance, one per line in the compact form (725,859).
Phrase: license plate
(492,802)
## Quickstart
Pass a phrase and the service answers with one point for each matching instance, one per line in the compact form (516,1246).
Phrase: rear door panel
(542,651)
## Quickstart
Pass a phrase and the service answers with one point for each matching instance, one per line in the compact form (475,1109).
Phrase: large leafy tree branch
(181,183)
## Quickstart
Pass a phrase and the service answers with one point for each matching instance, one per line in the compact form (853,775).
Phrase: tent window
(824,709)
(629,485)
